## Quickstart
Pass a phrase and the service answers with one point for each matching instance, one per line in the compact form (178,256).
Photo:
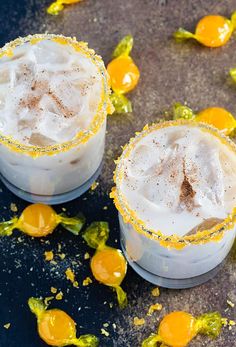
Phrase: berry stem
(151,341)
(86,341)
(121,297)
(37,306)
(124,47)
(96,235)
(232,73)
(233,20)
(121,103)
(72,224)
(55,8)
(182,34)
(6,228)
(182,111)
(209,324)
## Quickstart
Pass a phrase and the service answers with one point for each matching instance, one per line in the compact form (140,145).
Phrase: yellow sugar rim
(215,234)
(104,106)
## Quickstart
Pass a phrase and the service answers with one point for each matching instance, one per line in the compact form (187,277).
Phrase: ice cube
(37,139)
(204,171)
(163,186)
(51,55)
(205,225)
(4,75)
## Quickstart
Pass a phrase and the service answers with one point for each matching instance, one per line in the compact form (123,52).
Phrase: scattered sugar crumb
(139,321)
(48,299)
(229,323)
(105,208)
(70,275)
(104,332)
(94,185)
(224,321)
(156,292)
(49,255)
(153,308)
(53,290)
(114,325)
(61,255)
(111,304)
(7,325)
(230,303)
(232,322)
(13,207)
(87,281)
(59,296)
(53,262)
(59,247)
(106,325)
(63,209)
(86,256)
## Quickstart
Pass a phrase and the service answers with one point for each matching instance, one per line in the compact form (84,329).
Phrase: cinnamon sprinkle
(186,192)
(42,87)
(64,110)
(31,102)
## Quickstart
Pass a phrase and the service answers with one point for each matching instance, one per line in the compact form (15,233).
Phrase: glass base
(170,282)
(52,199)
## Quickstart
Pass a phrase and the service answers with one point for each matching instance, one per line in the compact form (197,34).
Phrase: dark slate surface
(169,72)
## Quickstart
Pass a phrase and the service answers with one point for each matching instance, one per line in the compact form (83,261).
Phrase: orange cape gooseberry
(58,6)
(218,117)
(232,73)
(57,328)
(211,31)
(108,264)
(123,74)
(39,220)
(178,328)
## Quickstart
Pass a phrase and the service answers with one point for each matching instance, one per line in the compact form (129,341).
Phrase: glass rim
(130,216)
(104,105)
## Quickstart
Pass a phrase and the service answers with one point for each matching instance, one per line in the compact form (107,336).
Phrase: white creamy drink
(176,194)
(54,98)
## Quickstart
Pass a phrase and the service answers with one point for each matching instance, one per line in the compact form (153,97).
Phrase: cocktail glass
(62,171)
(171,261)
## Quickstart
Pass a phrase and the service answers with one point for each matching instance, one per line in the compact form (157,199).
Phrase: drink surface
(48,93)
(179,179)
